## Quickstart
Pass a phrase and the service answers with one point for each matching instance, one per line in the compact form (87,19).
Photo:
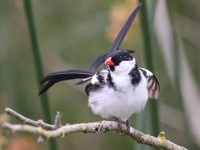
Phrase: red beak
(109,62)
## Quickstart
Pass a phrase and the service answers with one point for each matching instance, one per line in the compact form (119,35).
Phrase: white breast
(121,102)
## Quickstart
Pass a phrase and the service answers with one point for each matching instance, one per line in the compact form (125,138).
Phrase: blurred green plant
(72,35)
(39,67)
(148,51)
(149,120)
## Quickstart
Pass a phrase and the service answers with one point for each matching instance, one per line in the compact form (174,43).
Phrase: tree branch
(38,123)
(46,131)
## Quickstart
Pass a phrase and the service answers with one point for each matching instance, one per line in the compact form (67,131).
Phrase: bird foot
(127,123)
(119,123)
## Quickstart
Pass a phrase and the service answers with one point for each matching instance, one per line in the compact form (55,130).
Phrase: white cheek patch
(131,63)
(125,66)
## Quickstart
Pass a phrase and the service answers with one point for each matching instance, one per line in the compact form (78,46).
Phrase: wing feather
(153,87)
(152,84)
(53,78)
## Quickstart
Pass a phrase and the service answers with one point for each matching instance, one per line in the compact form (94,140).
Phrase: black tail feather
(100,60)
(53,78)
(123,31)
(117,42)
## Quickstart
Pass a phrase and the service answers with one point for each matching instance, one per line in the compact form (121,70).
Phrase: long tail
(100,60)
(53,78)
(117,42)
(123,31)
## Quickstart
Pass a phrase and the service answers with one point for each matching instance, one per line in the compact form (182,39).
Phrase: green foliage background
(71,35)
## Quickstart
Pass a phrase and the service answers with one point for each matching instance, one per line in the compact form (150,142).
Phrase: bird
(120,89)
(55,77)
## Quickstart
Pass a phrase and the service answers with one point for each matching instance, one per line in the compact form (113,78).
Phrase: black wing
(74,74)
(100,80)
(53,78)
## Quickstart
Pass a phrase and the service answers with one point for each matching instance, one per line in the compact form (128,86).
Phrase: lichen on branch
(46,131)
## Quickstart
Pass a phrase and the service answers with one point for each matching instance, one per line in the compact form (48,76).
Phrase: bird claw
(119,123)
(127,123)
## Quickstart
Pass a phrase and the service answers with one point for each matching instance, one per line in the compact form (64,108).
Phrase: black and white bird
(120,89)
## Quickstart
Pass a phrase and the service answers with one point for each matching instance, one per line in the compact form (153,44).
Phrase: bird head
(121,61)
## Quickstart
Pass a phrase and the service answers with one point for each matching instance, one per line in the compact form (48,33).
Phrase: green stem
(38,66)
(147,42)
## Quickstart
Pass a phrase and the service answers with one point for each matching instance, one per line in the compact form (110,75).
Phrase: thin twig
(35,123)
(95,127)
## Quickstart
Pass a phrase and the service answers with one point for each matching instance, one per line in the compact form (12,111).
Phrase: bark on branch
(46,131)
